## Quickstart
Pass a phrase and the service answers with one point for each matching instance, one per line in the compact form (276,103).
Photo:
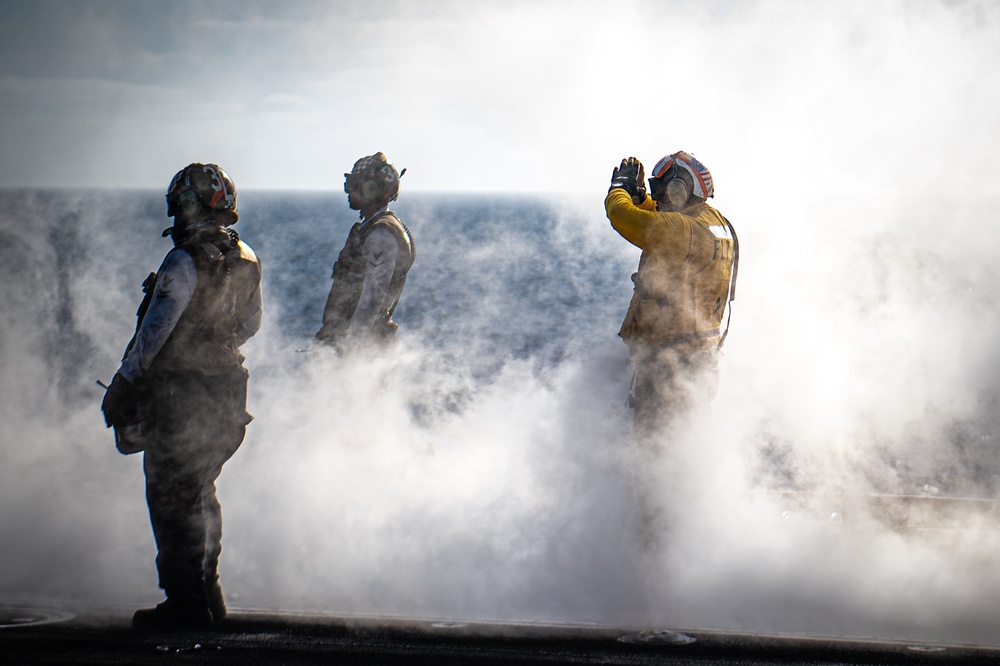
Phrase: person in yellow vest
(371,269)
(683,288)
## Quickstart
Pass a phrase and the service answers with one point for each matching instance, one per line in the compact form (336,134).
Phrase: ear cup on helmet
(189,203)
(678,192)
(370,191)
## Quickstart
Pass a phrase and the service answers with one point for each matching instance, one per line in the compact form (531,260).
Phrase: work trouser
(673,388)
(200,423)
(671,383)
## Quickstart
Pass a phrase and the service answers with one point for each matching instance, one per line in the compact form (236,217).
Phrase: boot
(173,615)
(216,601)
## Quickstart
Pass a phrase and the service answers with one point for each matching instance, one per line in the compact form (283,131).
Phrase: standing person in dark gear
(370,271)
(183,372)
(683,288)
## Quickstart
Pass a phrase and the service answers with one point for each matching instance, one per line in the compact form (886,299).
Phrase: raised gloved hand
(631,177)
(119,402)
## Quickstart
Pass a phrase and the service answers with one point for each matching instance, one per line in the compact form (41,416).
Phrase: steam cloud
(454,479)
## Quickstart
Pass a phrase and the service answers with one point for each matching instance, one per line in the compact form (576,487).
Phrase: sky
(486,96)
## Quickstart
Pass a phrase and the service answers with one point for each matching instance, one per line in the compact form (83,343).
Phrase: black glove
(630,176)
(119,404)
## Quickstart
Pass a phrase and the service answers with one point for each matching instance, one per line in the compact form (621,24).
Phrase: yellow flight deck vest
(682,285)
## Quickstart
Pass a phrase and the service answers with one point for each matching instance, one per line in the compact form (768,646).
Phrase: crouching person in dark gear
(371,269)
(183,378)
(684,285)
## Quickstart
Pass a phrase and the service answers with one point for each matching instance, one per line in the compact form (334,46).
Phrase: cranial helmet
(215,190)
(375,177)
(685,166)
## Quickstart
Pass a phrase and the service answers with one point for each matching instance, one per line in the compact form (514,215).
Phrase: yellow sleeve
(634,223)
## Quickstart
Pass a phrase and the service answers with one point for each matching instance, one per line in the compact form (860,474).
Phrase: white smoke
(851,148)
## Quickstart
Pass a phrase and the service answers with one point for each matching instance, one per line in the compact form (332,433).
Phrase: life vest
(680,297)
(204,339)
(349,275)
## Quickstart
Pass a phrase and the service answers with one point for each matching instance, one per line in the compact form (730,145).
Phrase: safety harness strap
(732,280)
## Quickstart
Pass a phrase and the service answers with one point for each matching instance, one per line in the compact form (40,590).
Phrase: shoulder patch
(163,287)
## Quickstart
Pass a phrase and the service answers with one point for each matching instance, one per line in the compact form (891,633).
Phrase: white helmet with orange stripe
(681,168)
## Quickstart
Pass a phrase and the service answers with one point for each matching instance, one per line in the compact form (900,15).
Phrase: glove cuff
(623,184)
